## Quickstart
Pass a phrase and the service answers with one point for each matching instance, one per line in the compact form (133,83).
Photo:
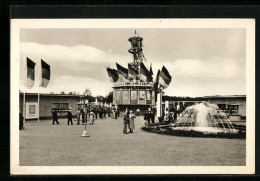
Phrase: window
(60,105)
(64,105)
(233,109)
(222,106)
(56,105)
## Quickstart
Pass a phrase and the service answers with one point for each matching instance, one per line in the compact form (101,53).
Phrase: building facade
(42,108)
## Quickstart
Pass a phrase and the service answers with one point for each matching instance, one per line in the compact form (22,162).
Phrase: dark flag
(144,73)
(112,73)
(46,73)
(30,73)
(122,70)
(156,85)
(151,74)
(165,78)
(132,73)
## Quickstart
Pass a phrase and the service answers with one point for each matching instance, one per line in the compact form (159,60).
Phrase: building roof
(225,96)
(54,95)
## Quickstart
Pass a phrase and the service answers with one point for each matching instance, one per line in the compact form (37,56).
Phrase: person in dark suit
(55,117)
(152,116)
(70,117)
(21,120)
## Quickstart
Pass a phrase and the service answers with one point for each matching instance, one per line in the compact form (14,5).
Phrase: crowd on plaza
(90,113)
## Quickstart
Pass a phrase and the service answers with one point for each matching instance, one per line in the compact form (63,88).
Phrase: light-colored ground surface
(44,144)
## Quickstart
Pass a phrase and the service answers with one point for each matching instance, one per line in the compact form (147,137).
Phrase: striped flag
(122,70)
(46,72)
(30,73)
(156,85)
(112,73)
(164,78)
(132,73)
(144,73)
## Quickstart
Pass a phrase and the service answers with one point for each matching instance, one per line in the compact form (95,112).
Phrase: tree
(86,95)
(62,92)
(109,97)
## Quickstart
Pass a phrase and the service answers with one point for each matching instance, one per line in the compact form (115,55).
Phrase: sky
(202,62)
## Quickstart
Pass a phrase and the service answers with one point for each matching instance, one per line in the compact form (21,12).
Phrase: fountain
(204,117)
(200,120)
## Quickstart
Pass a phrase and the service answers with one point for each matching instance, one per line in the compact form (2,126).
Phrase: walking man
(70,117)
(55,117)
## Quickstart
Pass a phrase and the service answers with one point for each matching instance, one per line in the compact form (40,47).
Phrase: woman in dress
(131,122)
(91,116)
(126,121)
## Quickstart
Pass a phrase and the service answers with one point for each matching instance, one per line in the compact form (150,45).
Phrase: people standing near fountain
(138,112)
(126,121)
(131,121)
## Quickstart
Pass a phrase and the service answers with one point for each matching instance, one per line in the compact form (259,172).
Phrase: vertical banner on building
(114,96)
(133,97)
(118,97)
(148,97)
(142,97)
(125,97)
(153,98)
(167,107)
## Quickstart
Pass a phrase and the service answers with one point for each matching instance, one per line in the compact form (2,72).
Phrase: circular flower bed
(241,134)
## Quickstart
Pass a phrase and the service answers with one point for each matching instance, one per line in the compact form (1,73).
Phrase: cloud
(75,68)
(68,54)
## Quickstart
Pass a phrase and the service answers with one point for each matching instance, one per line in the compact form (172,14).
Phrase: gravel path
(44,144)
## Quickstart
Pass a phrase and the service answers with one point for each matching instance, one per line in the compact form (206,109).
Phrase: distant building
(234,105)
(48,102)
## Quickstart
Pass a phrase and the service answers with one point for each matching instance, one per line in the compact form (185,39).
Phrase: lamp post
(84,134)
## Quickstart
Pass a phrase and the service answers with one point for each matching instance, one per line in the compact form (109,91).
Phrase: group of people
(88,113)
(129,122)
(149,115)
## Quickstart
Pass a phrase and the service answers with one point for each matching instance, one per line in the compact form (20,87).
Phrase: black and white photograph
(132,96)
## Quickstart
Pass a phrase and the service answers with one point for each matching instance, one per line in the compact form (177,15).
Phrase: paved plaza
(44,144)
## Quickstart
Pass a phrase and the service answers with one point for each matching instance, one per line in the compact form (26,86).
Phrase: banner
(112,73)
(141,97)
(133,97)
(148,97)
(125,97)
(118,97)
(46,73)
(30,73)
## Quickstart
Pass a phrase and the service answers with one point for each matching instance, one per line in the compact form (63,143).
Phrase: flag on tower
(122,70)
(144,73)
(46,73)
(151,74)
(112,73)
(132,72)
(164,78)
(30,73)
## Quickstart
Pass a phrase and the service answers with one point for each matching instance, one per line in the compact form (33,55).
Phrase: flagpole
(25,78)
(39,92)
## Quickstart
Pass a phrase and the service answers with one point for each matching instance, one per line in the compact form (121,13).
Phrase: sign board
(125,97)
(32,110)
(142,97)
(133,97)
(118,97)
(148,97)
